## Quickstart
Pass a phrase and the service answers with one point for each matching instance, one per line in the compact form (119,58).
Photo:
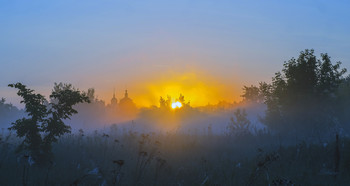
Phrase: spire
(114,100)
(126,93)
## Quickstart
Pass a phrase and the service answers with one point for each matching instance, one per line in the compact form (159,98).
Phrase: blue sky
(106,44)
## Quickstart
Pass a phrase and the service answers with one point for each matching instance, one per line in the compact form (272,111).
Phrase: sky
(205,49)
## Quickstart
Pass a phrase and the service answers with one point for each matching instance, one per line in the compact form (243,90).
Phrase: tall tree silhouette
(302,97)
(44,123)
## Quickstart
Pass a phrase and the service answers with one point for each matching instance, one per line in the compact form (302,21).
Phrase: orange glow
(198,87)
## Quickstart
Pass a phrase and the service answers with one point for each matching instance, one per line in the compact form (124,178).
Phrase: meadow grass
(132,158)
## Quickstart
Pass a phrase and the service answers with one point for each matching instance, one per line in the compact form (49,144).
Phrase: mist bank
(188,120)
(96,115)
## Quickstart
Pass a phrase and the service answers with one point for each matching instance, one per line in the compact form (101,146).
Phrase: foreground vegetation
(130,158)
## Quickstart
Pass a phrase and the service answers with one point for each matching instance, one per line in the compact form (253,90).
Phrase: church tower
(126,94)
(114,100)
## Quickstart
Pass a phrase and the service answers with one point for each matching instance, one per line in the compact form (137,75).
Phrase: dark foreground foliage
(130,158)
(44,123)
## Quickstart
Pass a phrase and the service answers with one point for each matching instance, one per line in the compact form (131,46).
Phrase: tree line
(308,98)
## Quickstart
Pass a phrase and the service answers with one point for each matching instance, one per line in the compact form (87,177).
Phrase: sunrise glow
(176,105)
(198,87)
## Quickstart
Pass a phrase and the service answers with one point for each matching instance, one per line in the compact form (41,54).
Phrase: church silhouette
(125,106)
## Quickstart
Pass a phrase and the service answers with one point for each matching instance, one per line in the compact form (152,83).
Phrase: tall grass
(132,158)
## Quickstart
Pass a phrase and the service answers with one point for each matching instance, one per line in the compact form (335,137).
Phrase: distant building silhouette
(126,105)
(126,102)
(114,101)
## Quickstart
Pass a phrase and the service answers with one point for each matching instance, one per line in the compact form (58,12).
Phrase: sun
(176,104)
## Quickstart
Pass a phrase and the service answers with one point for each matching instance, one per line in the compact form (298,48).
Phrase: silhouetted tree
(303,96)
(166,104)
(239,124)
(252,94)
(44,123)
(91,94)
(181,99)
(343,102)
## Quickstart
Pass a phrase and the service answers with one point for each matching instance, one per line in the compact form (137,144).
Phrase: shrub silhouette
(239,125)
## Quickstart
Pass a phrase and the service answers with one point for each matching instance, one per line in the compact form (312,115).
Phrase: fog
(189,120)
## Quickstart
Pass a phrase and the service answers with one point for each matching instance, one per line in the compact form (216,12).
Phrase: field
(121,157)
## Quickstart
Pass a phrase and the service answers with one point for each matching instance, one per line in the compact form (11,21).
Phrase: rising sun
(176,104)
